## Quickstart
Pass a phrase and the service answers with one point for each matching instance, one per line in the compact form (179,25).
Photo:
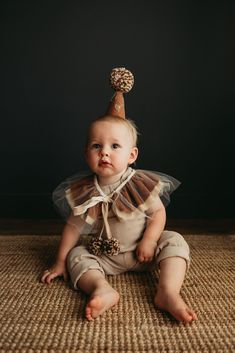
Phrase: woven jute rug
(37,318)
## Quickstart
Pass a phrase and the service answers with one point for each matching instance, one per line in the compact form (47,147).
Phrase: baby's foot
(174,304)
(100,301)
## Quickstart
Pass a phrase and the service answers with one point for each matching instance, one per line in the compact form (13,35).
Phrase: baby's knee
(173,238)
(75,255)
(79,261)
(172,244)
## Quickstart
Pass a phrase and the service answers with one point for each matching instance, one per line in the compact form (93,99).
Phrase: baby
(116,218)
(144,244)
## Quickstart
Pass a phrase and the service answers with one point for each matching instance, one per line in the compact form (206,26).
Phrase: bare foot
(174,304)
(100,301)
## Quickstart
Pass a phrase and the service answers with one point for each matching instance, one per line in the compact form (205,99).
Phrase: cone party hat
(122,81)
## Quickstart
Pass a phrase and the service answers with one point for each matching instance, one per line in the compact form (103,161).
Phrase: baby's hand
(145,250)
(58,269)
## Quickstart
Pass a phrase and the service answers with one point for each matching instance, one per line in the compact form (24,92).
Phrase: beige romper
(128,232)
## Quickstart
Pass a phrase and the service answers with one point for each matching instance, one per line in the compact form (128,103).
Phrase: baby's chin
(108,176)
(105,169)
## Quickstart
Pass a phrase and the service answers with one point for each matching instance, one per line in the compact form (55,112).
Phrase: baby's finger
(44,276)
(148,259)
(50,277)
(141,258)
(145,259)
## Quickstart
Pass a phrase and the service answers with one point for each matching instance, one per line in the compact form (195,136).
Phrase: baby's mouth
(104,162)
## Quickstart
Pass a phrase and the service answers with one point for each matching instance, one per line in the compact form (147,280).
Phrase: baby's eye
(95,146)
(115,146)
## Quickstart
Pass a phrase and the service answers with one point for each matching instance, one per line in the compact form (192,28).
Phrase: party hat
(122,81)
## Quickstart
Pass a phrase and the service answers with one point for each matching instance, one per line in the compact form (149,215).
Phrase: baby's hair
(130,124)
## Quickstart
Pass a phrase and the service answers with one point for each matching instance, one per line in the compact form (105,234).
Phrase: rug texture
(39,318)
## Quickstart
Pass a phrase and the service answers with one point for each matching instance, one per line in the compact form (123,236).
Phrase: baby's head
(112,119)
(111,147)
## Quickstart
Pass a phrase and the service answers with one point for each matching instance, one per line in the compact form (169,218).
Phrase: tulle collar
(114,187)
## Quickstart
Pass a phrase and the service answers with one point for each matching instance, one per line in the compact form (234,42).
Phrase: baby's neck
(110,180)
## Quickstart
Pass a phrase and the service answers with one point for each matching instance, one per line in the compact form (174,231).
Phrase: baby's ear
(133,155)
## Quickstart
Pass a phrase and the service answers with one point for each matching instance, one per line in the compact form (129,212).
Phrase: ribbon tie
(105,199)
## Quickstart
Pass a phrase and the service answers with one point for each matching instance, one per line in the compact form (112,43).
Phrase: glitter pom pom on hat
(122,81)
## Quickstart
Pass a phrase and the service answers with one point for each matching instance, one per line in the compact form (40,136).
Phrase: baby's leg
(172,256)
(102,295)
(172,273)
(92,281)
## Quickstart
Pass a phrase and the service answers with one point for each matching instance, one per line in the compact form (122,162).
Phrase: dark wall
(55,62)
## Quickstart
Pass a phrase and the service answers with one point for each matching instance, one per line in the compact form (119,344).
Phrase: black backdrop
(55,61)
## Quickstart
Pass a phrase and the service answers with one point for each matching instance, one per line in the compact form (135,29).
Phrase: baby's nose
(104,152)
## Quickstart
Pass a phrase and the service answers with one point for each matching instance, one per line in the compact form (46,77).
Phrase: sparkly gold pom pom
(121,79)
(110,247)
(97,246)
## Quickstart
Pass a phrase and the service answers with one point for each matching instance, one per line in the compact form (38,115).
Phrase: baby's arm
(69,238)
(155,226)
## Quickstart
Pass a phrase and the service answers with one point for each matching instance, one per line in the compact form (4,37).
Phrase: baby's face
(109,150)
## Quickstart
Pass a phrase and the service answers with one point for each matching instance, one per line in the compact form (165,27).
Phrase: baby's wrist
(60,262)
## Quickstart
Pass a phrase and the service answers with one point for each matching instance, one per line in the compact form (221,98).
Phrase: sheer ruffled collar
(114,187)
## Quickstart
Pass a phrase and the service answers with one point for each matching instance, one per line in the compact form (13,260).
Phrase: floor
(55,226)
